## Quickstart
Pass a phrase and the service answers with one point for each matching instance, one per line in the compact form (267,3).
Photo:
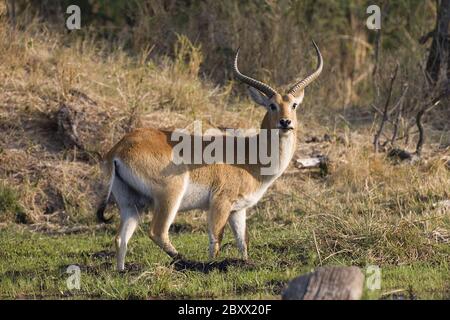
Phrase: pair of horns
(268,90)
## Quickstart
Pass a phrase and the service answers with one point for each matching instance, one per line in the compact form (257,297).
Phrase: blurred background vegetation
(274,35)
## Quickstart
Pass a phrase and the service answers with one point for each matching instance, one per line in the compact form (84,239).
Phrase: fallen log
(309,163)
(321,162)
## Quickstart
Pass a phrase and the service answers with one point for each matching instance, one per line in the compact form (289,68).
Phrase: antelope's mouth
(286,129)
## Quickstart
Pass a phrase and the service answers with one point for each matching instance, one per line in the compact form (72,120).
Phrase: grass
(33,266)
(10,207)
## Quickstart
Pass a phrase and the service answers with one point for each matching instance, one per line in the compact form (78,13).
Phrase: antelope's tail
(104,203)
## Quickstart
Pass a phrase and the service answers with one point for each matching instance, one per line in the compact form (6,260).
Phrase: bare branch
(11,11)
(399,113)
(385,111)
(423,39)
(377,53)
(380,112)
(426,108)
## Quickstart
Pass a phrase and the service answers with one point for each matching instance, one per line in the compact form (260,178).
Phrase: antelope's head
(281,109)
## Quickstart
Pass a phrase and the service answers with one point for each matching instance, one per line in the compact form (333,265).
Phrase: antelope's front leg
(217,219)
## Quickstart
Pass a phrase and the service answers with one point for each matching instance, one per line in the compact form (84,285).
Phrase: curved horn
(264,88)
(302,84)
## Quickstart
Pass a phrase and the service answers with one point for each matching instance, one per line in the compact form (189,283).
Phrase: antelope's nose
(285,123)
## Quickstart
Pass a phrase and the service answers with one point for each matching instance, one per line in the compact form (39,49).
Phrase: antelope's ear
(258,97)
(298,98)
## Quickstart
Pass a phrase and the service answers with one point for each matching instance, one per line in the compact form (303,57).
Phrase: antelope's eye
(294,106)
(273,107)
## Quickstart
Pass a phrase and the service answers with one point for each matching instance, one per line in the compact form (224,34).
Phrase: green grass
(10,208)
(33,266)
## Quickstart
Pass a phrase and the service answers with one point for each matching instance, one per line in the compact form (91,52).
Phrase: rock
(327,283)
(403,155)
(327,138)
(400,154)
(312,139)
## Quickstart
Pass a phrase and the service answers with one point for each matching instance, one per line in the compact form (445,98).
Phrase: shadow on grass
(274,287)
(130,268)
(16,275)
(104,254)
(182,264)
(181,228)
(179,263)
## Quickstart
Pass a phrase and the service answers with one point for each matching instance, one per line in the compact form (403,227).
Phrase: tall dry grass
(275,37)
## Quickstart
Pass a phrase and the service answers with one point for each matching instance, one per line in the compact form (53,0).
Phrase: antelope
(142,174)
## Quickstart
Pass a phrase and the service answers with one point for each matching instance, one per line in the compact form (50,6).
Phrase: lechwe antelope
(142,173)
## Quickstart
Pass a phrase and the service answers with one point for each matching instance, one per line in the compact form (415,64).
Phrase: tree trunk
(11,11)
(439,46)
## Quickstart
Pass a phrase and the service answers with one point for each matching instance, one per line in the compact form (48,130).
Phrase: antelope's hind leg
(129,203)
(166,206)
(217,219)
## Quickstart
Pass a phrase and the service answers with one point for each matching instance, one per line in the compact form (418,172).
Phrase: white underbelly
(196,196)
(249,200)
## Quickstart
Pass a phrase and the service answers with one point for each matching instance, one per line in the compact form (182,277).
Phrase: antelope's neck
(284,151)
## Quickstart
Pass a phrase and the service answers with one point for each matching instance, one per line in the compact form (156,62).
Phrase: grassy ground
(34,266)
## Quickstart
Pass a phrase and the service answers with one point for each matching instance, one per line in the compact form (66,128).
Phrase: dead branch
(380,112)
(306,163)
(421,132)
(321,162)
(377,52)
(419,117)
(11,12)
(407,133)
(423,39)
(385,110)
(399,114)
(396,123)
(406,136)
